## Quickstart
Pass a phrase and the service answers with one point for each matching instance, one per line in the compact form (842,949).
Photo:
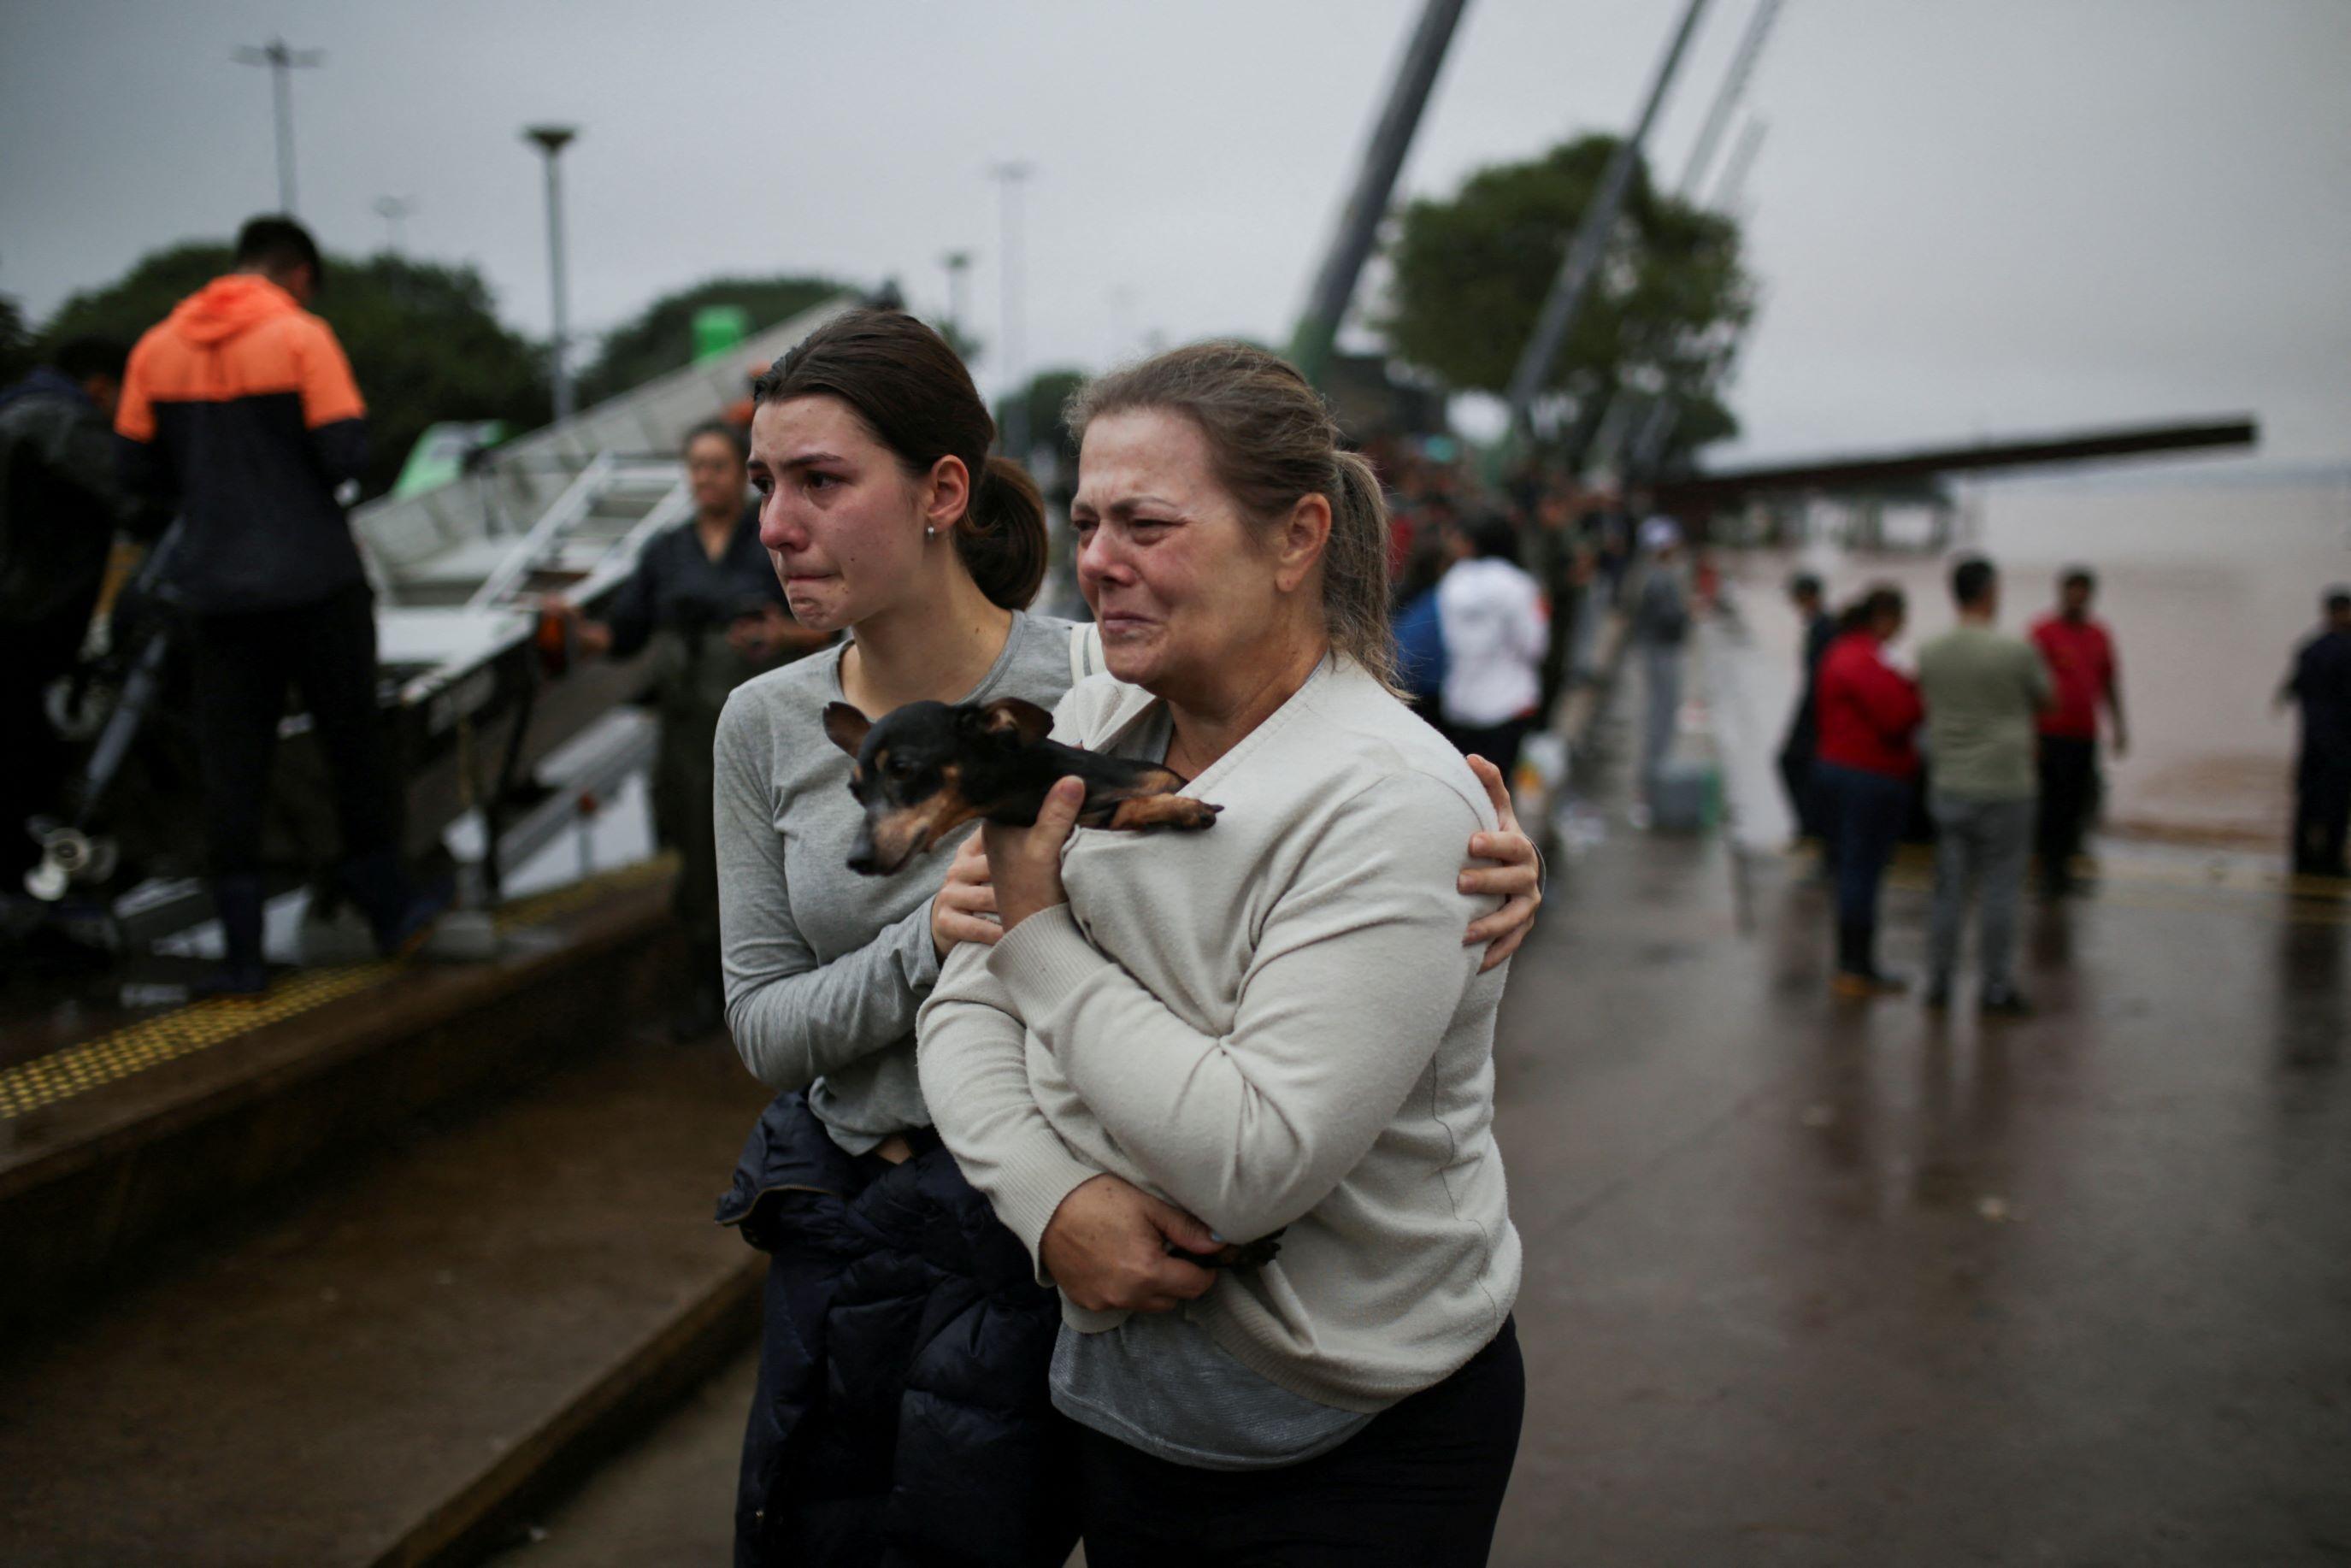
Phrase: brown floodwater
(2208,585)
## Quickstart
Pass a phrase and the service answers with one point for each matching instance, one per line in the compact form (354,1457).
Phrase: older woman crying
(1271,1029)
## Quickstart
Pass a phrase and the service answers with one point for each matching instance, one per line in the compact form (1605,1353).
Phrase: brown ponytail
(907,386)
(1355,569)
(1001,535)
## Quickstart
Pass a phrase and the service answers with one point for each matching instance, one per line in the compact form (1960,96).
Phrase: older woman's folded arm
(972,1050)
(1357,975)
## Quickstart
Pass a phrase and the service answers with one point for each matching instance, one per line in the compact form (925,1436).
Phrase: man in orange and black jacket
(240,409)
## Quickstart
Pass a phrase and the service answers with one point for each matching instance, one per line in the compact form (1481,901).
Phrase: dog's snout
(860,853)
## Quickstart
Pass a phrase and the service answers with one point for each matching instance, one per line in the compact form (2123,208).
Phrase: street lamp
(957,263)
(551,141)
(282,61)
(1016,407)
(393,210)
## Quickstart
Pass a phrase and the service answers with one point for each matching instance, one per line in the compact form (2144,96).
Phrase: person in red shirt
(1869,713)
(2079,653)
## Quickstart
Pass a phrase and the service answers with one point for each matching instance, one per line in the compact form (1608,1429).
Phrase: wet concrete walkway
(1819,1282)
(1807,1282)
(1813,1283)
(372,1373)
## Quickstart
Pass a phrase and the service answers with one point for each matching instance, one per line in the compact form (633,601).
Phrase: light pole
(394,211)
(551,141)
(959,264)
(1016,406)
(282,61)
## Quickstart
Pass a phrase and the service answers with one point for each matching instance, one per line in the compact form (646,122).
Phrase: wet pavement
(1820,1282)
(396,1349)
(1807,1281)
(669,1499)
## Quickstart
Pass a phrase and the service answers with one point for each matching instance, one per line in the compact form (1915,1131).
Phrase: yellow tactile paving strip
(198,1026)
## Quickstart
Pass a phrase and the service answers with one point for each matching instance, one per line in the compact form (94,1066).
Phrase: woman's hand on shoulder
(1026,862)
(1516,877)
(965,908)
(1107,1247)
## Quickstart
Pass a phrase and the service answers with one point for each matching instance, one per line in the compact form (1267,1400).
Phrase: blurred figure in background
(60,506)
(1982,689)
(1491,613)
(2321,686)
(240,409)
(2080,653)
(705,597)
(1419,632)
(1659,628)
(1869,714)
(1796,752)
(1559,565)
(1610,530)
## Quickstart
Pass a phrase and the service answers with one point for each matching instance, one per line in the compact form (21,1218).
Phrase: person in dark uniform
(706,599)
(1796,752)
(60,509)
(1560,563)
(240,409)
(2321,686)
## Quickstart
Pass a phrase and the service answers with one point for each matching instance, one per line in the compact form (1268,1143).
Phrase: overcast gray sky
(1967,219)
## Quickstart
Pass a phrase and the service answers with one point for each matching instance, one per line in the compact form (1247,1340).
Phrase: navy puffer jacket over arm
(901,1416)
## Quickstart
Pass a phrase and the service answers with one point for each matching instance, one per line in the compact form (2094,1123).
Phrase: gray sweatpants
(1980,846)
(1661,679)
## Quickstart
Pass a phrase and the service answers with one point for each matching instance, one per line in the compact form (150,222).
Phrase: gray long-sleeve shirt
(825,968)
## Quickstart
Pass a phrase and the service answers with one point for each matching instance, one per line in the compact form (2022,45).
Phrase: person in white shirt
(1492,613)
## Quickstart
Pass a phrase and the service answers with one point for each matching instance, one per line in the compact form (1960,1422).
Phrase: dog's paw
(1242,1255)
(1254,1254)
(1189,816)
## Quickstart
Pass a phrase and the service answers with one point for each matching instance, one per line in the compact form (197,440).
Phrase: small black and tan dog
(926,769)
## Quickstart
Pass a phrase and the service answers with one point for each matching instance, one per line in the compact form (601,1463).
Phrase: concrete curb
(606,1415)
(180,1155)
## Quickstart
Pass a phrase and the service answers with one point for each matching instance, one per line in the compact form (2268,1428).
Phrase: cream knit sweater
(1272,1024)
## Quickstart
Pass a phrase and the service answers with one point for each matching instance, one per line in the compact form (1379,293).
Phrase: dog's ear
(846,726)
(1026,722)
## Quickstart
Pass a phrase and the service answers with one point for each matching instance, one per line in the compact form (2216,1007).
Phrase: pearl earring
(930,533)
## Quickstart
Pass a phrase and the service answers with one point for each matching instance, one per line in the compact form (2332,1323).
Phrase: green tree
(661,337)
(1469,274)
(16,359)
(1048,396)
(969,347)
(423,339)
